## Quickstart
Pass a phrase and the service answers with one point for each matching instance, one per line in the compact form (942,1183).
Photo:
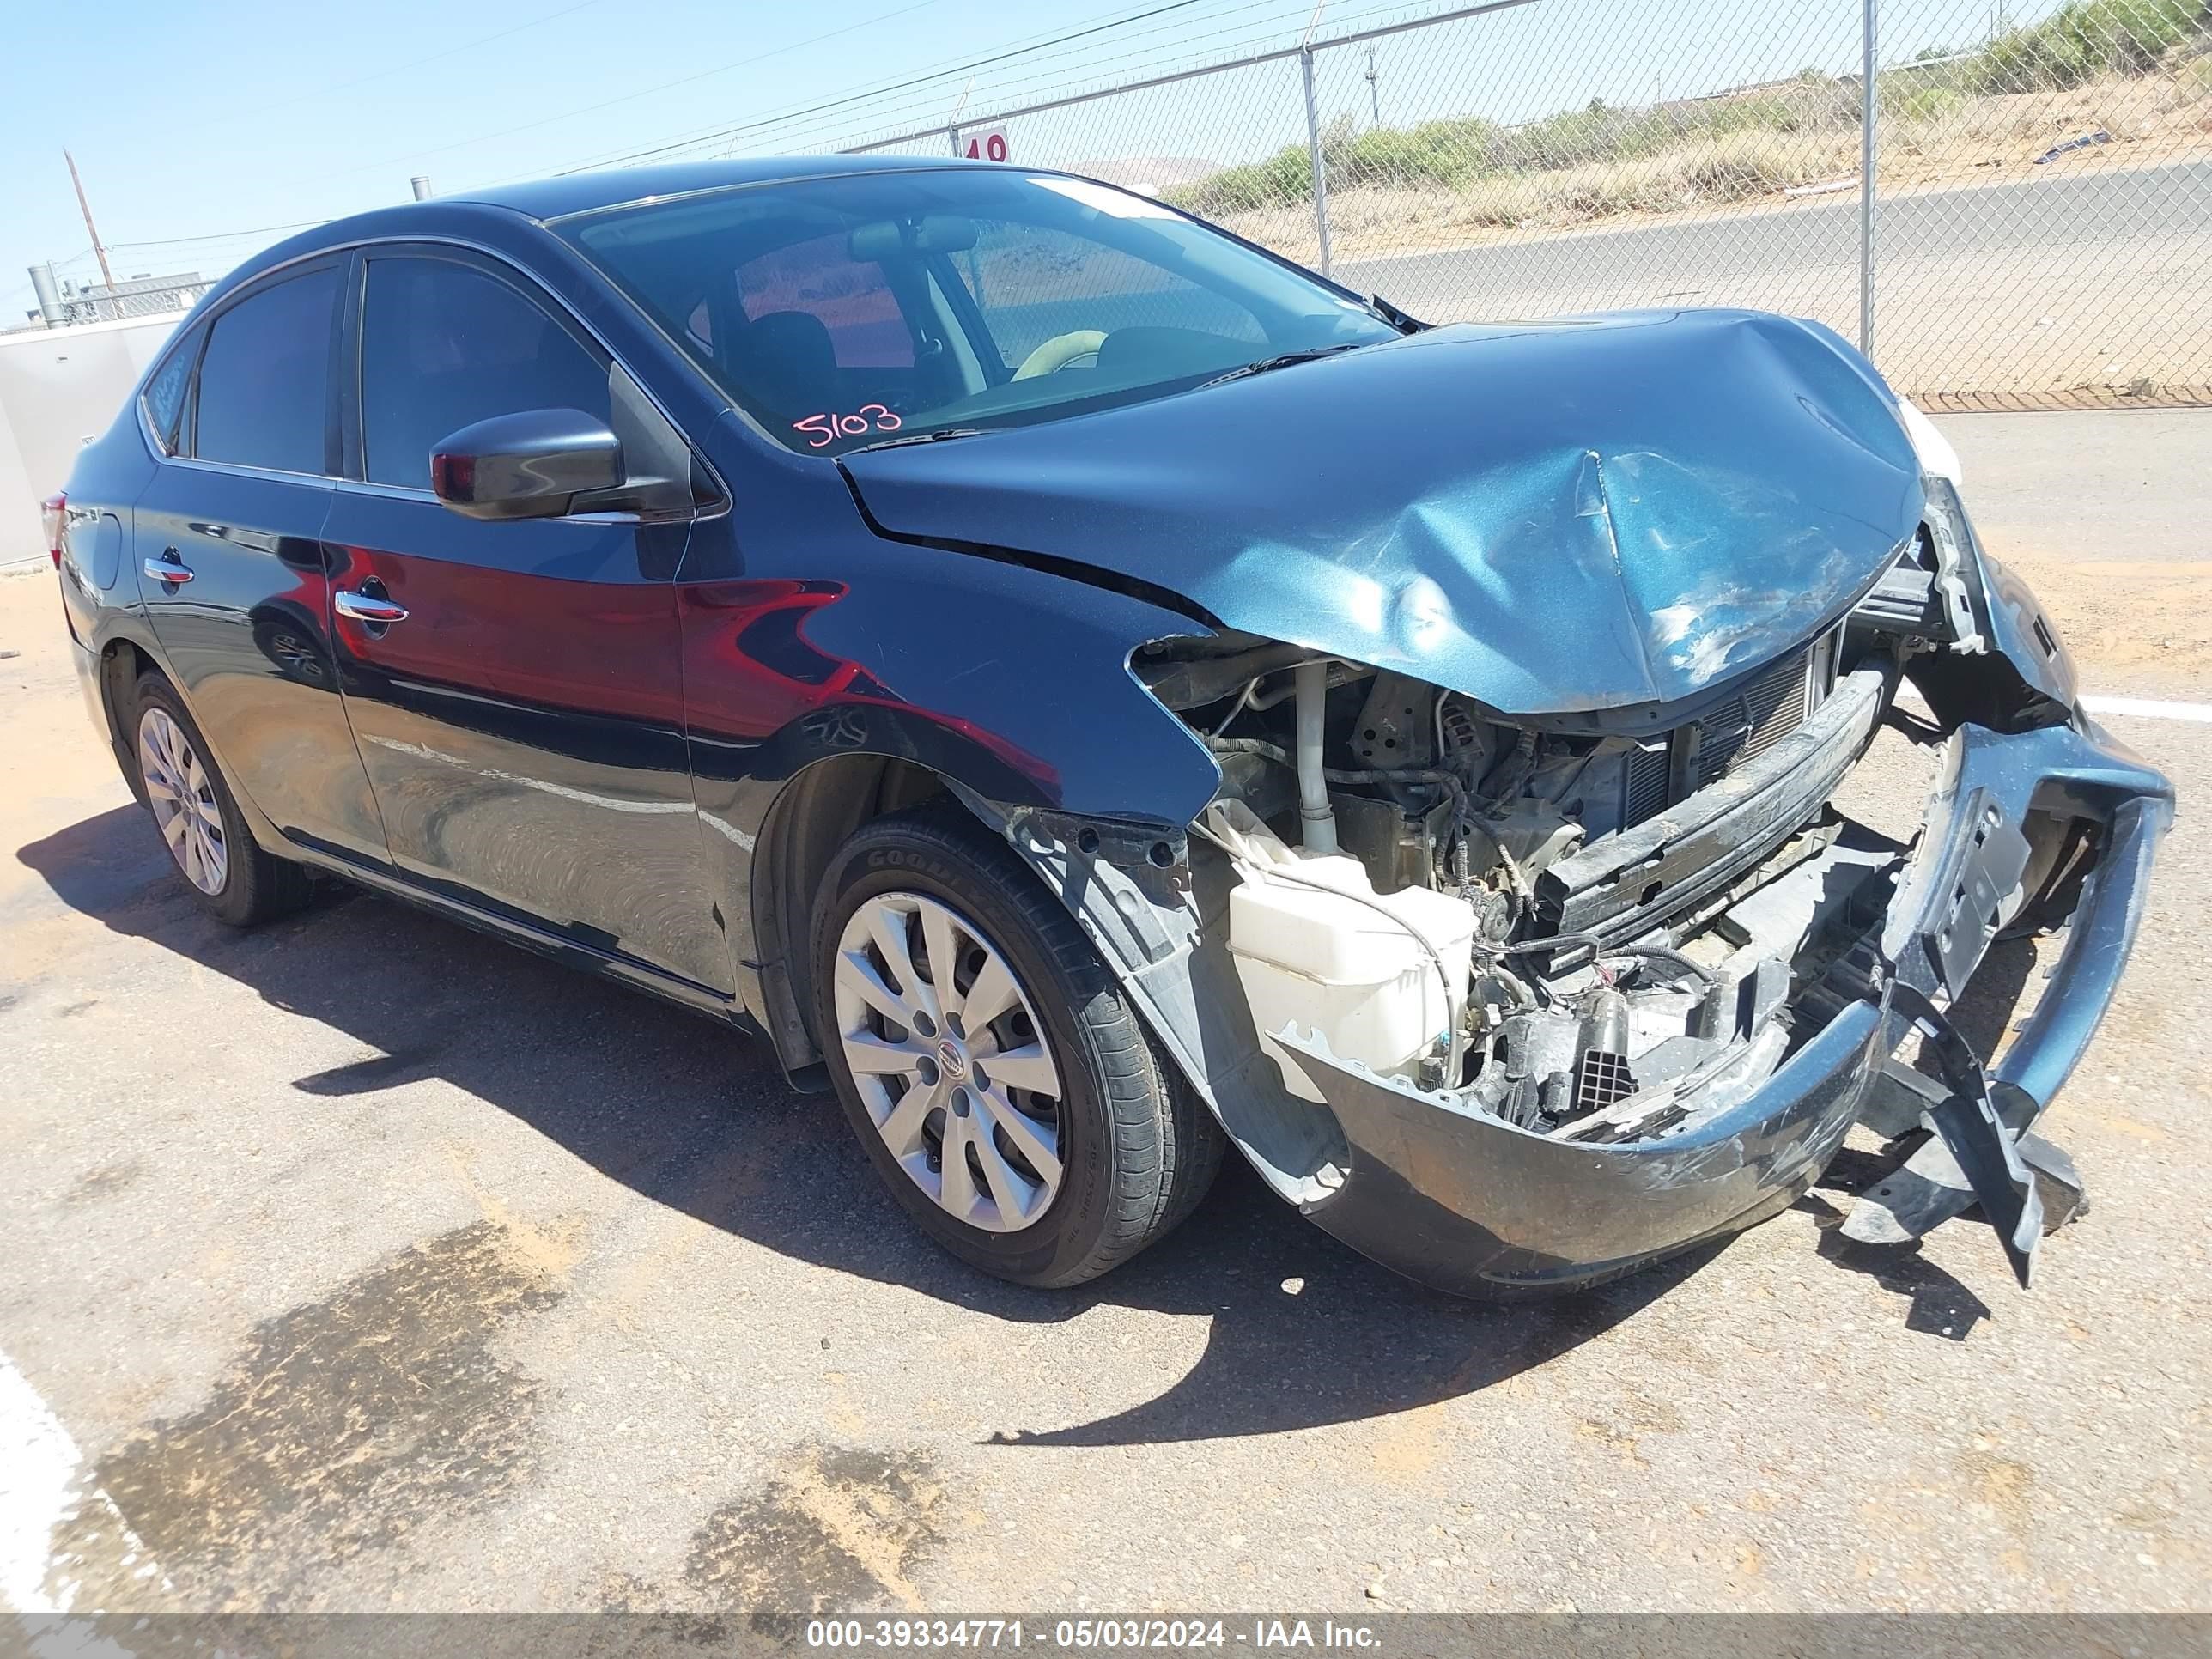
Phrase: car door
(231,564)
(520,715)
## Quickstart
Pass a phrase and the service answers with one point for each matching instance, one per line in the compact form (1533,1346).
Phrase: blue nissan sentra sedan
(1092,692)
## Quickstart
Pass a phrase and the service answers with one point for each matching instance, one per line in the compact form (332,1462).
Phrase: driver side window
(445,345)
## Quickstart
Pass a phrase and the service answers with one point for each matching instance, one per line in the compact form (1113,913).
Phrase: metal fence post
(1313,156)
(1868,107)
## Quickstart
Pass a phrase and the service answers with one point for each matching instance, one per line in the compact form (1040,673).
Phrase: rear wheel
(1005,1090)
(223,867)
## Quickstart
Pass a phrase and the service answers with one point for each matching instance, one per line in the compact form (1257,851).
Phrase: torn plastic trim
(2006,667)
(1146,919)
(1930,1187)
(1471,1204)
(1951,535)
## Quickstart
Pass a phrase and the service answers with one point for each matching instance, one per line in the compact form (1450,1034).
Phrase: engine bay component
(1317,948)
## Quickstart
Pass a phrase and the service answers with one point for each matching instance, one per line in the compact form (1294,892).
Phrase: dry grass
(1952,137)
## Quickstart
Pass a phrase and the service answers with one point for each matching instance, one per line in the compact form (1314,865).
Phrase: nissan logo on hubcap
(955,1063)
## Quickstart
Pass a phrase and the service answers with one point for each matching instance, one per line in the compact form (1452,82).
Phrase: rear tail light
(53,513)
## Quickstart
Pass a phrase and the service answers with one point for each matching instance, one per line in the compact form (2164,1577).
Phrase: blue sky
(227,122)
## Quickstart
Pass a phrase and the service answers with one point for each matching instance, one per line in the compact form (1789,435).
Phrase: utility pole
(85,207)
(1374,101)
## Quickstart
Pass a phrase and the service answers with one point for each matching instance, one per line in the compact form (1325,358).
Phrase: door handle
(162,570)
(367,607)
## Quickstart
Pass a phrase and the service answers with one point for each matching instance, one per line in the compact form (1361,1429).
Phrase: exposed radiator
(1765,709)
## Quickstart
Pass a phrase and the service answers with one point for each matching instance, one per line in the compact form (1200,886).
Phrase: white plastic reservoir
(1323,960)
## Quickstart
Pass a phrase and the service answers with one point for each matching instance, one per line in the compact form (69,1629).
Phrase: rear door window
(445,345)
(264,380)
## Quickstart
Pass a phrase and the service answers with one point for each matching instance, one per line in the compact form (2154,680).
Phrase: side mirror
(530,465)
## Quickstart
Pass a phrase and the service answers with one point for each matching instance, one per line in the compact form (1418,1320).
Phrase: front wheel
(1005,1090)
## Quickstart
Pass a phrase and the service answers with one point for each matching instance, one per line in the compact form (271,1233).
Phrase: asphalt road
(1677,259)
(362,1262)
(2069,276)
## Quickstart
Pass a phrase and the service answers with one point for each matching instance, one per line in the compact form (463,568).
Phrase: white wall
(60,388)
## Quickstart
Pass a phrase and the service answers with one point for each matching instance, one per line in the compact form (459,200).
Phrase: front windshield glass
(849,311)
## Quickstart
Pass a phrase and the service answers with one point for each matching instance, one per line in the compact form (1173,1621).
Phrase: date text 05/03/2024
(1088,1635)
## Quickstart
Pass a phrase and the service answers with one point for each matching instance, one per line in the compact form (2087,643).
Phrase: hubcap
(183,798)
(950,1058)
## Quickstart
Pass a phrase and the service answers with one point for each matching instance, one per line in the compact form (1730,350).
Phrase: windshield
(895,306)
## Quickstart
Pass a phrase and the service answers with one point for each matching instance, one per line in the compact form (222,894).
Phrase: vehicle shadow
(1303,1331)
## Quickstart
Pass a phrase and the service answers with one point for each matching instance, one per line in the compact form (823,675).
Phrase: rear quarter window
(164,401)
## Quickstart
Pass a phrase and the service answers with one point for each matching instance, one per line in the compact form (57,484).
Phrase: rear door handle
(367,607)
(162,570)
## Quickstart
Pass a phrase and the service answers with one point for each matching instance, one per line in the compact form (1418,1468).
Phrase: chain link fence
(61,303)
(2038,231)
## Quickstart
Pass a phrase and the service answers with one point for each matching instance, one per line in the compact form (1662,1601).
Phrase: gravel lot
(371,1264)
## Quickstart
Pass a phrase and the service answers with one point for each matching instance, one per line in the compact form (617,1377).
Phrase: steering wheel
(1060,351)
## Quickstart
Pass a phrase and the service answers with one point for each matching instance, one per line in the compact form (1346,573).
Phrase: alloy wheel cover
(950,1060)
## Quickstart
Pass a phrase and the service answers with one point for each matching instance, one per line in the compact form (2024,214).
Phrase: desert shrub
(1446,153)
(1586,162)
(1919,103)
(1284,177)
(2088,38)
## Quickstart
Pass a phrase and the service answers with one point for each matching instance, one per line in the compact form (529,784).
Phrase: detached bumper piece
(1471,1204)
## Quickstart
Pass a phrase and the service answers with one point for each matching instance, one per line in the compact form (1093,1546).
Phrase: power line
(220,235)
(1190,57)
(628,97)
(260,110)
(901,86)
(702,135)
(1047,67)
(1065,85)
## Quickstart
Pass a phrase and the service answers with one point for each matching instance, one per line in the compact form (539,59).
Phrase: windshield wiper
(949,433)
(1284,360)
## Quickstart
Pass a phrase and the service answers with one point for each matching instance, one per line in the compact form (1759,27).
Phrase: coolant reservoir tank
(1325,952)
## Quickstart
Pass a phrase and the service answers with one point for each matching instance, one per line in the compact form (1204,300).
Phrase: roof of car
(581,192)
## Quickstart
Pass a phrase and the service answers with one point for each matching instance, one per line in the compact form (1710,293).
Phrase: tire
(1135,1151)
(240,884)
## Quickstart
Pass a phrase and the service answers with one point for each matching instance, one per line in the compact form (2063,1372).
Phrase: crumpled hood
(1584,515)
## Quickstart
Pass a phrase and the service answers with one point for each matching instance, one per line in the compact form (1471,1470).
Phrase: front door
(232,567)
(523,721)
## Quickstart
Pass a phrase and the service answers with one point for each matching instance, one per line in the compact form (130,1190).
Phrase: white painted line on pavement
(38,1462)
(2150,708)
(39,1465)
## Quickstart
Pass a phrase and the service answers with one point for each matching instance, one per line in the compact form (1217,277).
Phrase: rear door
(523,725)
(227,539)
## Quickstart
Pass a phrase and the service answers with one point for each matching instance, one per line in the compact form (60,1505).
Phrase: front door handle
(162,570)
(367,607)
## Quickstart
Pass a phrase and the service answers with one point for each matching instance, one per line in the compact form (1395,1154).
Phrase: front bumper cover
(1472,1205)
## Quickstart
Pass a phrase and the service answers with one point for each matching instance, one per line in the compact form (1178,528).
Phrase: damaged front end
(1515,1003)
(1528,937)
